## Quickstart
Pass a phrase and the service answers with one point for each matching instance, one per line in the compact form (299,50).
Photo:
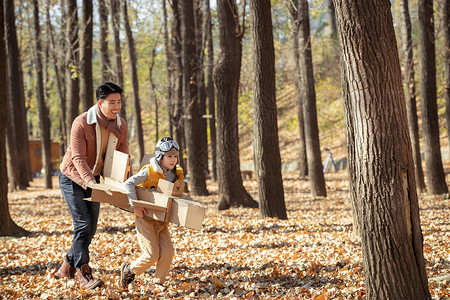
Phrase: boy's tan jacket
(84,147)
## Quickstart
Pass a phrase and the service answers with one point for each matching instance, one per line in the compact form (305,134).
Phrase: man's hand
(94,185)
(139,211)
(91,182)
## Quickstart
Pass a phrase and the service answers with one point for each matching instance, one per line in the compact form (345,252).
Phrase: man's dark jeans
(84,216)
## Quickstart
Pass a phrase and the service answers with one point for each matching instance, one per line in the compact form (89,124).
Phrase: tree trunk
(135,83)
(410,92)
(428,99)
(7,225)
(226,79)
(332,15)
(115,19)
(104,55)
(72,64)
(446,18)
(17,97)
(42,107)
(169,68)
(265,129)
(152,92)
(11,153)
(315,168)
(383,182)
(86,85)
(61,94)
(200,44)
(210,91)
(177,105)
(192,121)
(303,162)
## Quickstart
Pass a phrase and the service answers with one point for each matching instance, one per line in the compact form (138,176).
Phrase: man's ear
(99,103)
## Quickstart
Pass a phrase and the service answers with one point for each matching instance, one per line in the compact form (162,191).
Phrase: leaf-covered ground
(236,255)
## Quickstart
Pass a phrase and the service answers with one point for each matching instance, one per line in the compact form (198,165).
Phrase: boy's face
(168,161)
(111,105)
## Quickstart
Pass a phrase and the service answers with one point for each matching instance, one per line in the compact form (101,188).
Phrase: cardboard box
(163,205)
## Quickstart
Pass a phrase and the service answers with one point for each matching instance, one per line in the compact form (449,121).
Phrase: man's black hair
(107,88)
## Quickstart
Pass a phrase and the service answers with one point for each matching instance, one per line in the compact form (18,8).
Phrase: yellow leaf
(219,282)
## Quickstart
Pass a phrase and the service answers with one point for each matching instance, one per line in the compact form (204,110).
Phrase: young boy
(153,235)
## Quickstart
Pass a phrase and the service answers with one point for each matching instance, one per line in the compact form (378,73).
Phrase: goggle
(167,145)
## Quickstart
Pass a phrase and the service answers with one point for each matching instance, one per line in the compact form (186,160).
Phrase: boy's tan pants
(156,245)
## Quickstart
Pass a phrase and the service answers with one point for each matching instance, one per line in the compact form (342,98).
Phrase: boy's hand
(139,211)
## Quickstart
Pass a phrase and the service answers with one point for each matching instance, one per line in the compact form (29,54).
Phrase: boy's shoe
(126,275)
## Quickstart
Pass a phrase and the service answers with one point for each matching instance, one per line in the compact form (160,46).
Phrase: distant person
(153,235)
(81,167)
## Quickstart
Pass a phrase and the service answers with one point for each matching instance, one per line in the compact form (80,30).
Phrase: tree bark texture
(428,99)
(104,32)
(210,90)
(303,162)
(135,83)
(313,152)
(410,92)
(86,85)
(7,225)
(266,150)
(16,96)
(200,67)
(192,112)
(385,190)
(115,20)
(44,117)
(351,150)
(177,104)
(72,65)
(226,79)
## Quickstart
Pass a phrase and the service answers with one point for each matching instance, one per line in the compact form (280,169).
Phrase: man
(90,135)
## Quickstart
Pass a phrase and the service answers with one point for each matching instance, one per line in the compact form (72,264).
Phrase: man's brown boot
(65,271)
(87,282)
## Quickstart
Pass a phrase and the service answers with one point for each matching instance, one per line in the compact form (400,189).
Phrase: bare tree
(86,84)
(210,92)
(135,83)
(303,162)
(410,91)
(115,20)
(200,67)
(58,79)
(104,53)
(226,79)
(7,225)
(169,67)
(428,99)
(192,112)
(152,92)
(265,129)
(72,65)
(313,151)
(17,97)
(385,195)
(176,113)
(42,107)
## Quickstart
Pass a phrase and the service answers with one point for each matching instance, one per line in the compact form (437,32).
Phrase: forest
(316,133)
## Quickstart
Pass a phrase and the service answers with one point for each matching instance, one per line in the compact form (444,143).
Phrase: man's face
(169,161)
(111,105)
